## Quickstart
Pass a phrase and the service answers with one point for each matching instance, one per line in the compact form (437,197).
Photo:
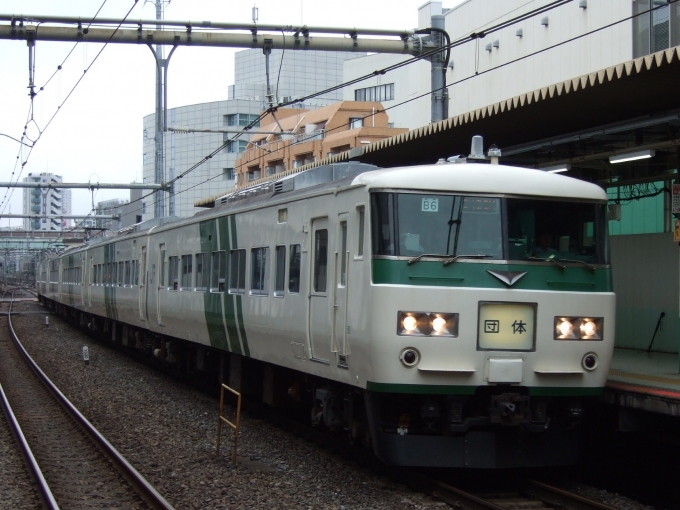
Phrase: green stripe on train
(434,389)
(212,301)
(229,305)
(476,275)
(239,298)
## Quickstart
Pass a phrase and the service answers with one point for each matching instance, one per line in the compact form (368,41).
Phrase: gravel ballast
(168,432)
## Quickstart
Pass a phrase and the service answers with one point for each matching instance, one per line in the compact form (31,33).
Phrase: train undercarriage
(492,427)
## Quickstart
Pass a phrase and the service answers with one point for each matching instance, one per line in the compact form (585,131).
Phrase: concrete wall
(644,290)
(469,91)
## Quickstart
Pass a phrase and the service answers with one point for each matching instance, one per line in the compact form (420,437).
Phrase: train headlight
(427,324)
(578,328)
(438,324)
(410,323)
(564,327)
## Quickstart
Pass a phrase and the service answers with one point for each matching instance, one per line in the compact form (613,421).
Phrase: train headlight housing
(578,328)
(427,324)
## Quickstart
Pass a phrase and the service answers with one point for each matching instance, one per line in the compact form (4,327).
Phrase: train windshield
(493,228)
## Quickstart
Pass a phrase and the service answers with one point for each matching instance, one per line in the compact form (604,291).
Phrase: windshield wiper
(549,259)
(458,257)
(583,262)
(435,255)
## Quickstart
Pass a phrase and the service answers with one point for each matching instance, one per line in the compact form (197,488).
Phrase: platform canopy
(633,106)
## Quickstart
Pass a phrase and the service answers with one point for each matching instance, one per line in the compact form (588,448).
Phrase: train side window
(128,271)
(343,253)
(320,259)
(201,273)
(237,271)
(187,269)
(114,273)
(294,269)
(280,278)
(260,275)
(135,272)
(218,271)
(121,272)
(361,216)
(173,273)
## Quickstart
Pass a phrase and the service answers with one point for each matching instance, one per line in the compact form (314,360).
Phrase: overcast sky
(97,134)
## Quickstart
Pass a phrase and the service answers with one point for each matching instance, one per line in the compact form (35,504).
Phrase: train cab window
(415,224)
(260,274)
(361,213)
(556,229)
(173,273)
(237,271)
(201,273)
(294,269)
(320,260)
(187,269)
(343,253)
(280,277)
(218,271)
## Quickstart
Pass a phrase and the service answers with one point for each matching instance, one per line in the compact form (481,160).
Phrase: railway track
(72,464)
(530,495)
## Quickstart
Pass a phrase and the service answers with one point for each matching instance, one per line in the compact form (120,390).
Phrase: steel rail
(147,492)
(43,488)
(560,498)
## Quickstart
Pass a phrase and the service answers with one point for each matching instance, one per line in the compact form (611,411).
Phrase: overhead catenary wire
(478,73)
(425,55)
(472,37)
(10,192)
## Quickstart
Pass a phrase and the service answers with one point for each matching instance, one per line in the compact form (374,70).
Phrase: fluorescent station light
(565,167)
(632,156)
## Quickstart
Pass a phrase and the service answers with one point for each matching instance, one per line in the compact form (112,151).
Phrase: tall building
(294,74)
(565,42)
(45,202)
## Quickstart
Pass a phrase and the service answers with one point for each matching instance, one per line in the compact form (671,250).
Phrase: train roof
(481,178)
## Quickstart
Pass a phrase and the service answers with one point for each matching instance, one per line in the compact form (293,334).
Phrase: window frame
(258,262)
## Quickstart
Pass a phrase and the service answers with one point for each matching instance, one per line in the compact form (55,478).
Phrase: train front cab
(497,326)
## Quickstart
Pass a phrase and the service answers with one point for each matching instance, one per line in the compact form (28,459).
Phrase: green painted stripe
(229,301)
(424,389)
(212,301)
(433,389)
(463,274)
(238,297)
(564,391)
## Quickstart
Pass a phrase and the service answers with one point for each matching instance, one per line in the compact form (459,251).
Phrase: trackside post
(236,426)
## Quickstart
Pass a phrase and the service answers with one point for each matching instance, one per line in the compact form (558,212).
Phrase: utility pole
(440,94)
(161,117)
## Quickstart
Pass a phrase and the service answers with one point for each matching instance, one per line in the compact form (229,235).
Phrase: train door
(340,292)
(142,285)
(320,299)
